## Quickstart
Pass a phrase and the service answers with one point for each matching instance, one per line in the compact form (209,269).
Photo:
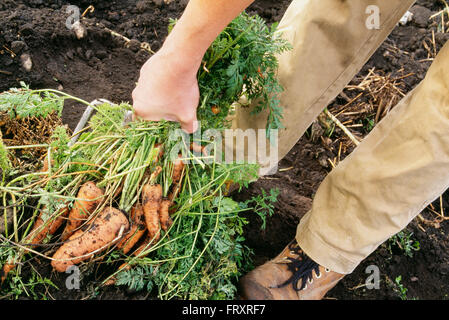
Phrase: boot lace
(301,267)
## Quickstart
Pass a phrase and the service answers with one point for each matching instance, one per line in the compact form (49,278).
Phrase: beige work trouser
(401,166)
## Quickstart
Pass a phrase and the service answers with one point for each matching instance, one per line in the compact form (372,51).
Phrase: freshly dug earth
(104,65)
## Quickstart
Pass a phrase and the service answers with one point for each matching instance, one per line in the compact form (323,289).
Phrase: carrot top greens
(242,62)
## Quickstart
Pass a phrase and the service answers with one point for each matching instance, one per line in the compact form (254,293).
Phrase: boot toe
(251,289)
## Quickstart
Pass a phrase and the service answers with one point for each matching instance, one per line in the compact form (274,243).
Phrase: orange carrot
(136,232)
(178,169)
(164,215)
(102,232)
(151,198)
(37,235)
(111,281)
(143,246)
(88,198)
(161,152)
(215,110)
(7,267)
(39,231)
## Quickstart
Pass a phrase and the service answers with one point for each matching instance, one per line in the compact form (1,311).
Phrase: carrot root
(164,215)
(88,199)
(152,197)
(100,234)
(136,232)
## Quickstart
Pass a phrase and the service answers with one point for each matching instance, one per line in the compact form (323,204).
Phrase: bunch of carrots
(117,188)
(92,223)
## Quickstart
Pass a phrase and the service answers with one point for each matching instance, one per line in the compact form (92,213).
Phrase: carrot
(103,231)
(7,267)
(151,198)
(259,71)
(157,171)
(215,110)
(136,232)
(164,215)
(111,281)
(165,222)
(198,149)
(178,169)
(39,231)
(143,246)
(37,235)
(88,199)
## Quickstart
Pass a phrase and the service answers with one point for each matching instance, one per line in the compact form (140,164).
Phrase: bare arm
(167,87)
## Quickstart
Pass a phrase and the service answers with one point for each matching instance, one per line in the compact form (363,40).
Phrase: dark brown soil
(105,66)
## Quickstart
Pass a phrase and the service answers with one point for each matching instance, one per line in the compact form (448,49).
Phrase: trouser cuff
(321,252)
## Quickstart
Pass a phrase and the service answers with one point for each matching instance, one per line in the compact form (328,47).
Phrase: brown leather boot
(290,276)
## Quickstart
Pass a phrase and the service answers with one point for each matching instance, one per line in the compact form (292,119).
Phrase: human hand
(168,90)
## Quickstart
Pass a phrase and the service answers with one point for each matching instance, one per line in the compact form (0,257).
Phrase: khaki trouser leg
(400,167)
(331,43)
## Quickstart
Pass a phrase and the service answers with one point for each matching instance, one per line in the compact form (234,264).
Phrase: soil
(103,65)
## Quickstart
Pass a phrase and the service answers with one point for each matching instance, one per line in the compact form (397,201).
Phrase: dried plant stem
(342,127)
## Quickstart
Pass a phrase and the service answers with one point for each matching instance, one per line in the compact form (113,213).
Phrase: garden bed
(104,64)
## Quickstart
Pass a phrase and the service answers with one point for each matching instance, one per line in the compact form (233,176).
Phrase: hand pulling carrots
(88,199)
(102,232)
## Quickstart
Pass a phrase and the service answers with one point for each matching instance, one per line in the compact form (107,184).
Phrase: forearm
(201,22)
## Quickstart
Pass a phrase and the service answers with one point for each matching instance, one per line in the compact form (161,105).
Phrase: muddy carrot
(151,199)
(7,267)
(136,232)
(37,235)
(164,216)
(103,231)
(88,198)
(178,169)
(40,230)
